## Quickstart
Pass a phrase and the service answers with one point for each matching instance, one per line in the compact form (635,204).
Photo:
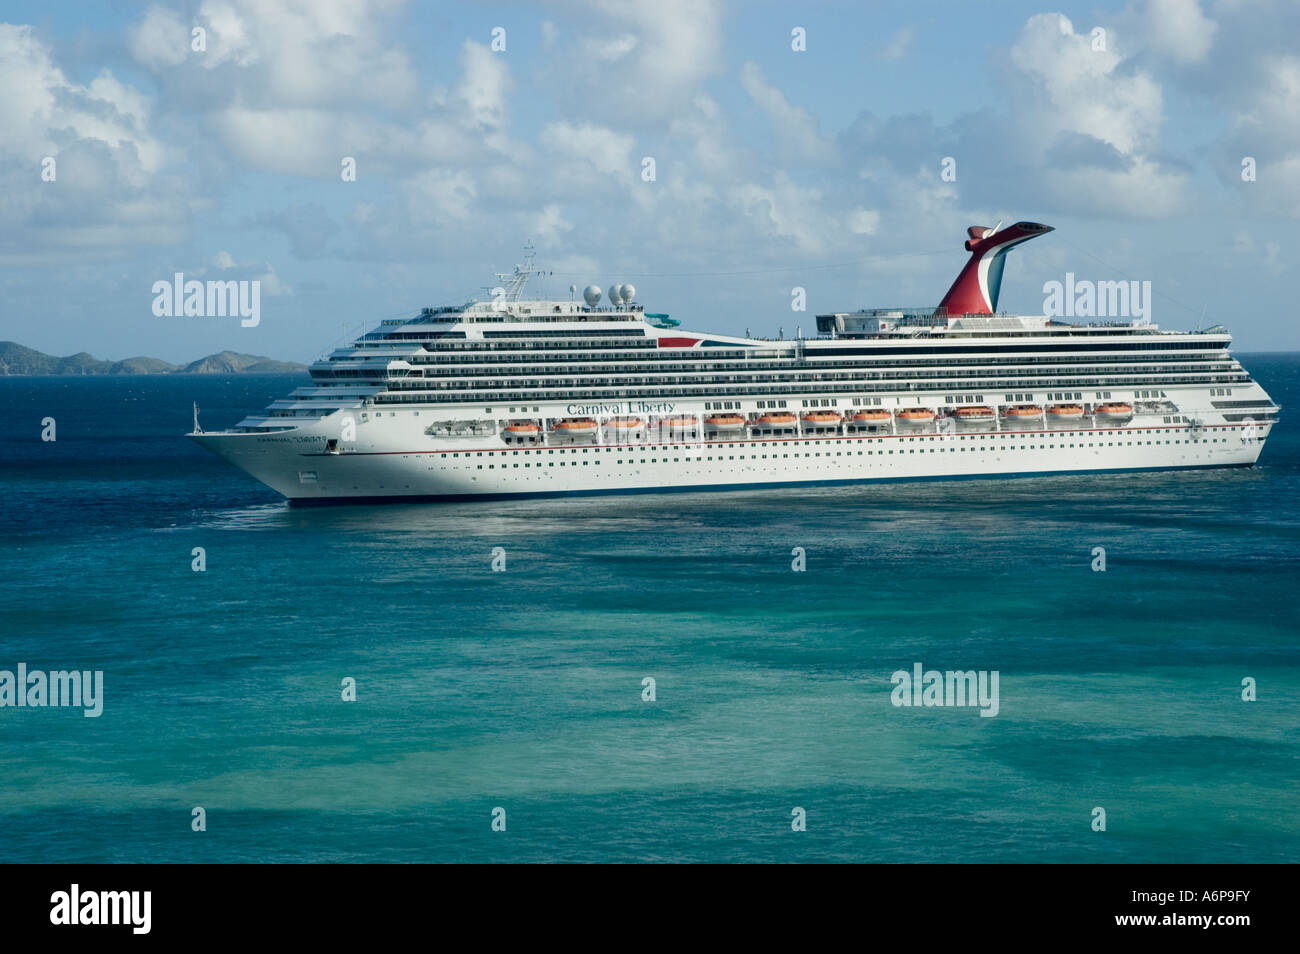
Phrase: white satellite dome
(613,294)
(629,291)
(592,294)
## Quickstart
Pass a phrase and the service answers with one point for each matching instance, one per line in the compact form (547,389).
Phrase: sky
(778,164)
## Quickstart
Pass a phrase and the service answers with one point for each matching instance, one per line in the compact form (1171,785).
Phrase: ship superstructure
(514,395)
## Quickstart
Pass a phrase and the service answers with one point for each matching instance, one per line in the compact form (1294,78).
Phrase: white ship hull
(386,463)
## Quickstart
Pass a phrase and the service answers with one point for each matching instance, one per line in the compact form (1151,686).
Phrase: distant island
(16,359)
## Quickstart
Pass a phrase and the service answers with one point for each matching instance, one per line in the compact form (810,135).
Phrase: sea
(681,677)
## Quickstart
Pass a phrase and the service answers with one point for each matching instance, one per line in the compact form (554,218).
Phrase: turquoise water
(522,689)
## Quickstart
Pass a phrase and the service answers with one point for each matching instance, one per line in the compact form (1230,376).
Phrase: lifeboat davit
(1114,412)
(1065,412)
(972,414)
(725,422)
(574,427)
(915,416)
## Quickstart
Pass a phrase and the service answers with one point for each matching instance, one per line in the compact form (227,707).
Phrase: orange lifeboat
(778,419)
(725,422)
(821,418)
(574,427)
(974,413)
(623,426)
(1114,412)
(678,423)
(522,429)
(1065,412)
(870,417)
(916,415)
(1021,412)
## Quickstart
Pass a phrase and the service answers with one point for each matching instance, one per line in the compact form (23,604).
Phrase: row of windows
(452,396)
(870,441)
(712,360)
(923,450)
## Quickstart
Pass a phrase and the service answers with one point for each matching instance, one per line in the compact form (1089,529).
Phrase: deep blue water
(522,689)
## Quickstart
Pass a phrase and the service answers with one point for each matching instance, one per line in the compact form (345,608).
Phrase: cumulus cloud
(794,128)
(663,51)
(1179,30)
(485,85)
(161,39)
(590,145)
(1077,89)
(898,45)
(108,190)
(1090,123)
(1266,131)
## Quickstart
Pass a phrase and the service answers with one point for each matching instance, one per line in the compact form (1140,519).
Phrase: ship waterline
(521,396)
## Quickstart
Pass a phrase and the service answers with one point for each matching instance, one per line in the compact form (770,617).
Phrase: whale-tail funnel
(975,292)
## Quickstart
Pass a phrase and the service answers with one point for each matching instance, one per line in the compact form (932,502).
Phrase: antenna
(513,283)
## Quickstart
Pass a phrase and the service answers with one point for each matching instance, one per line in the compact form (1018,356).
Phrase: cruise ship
(512,395)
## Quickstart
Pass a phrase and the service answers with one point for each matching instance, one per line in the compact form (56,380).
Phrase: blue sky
(775,168)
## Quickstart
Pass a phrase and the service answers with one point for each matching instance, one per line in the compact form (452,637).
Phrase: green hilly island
(15,359)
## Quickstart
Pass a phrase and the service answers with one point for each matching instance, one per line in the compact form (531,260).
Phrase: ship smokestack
(975,292)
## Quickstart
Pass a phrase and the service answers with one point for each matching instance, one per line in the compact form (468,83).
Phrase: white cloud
(327,53)
(228,39)
(785,210)
(608,49)
(609,152)
(41,109)
(864,222)
(1079,89)
(1076,102)
(663,51)
(161,39)
(549,226)
(485,85)
(109,192)
(898,44)
(442,197)
(1179,30)
(795,128)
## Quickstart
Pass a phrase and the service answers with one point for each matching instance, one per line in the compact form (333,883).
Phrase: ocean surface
(522,690)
